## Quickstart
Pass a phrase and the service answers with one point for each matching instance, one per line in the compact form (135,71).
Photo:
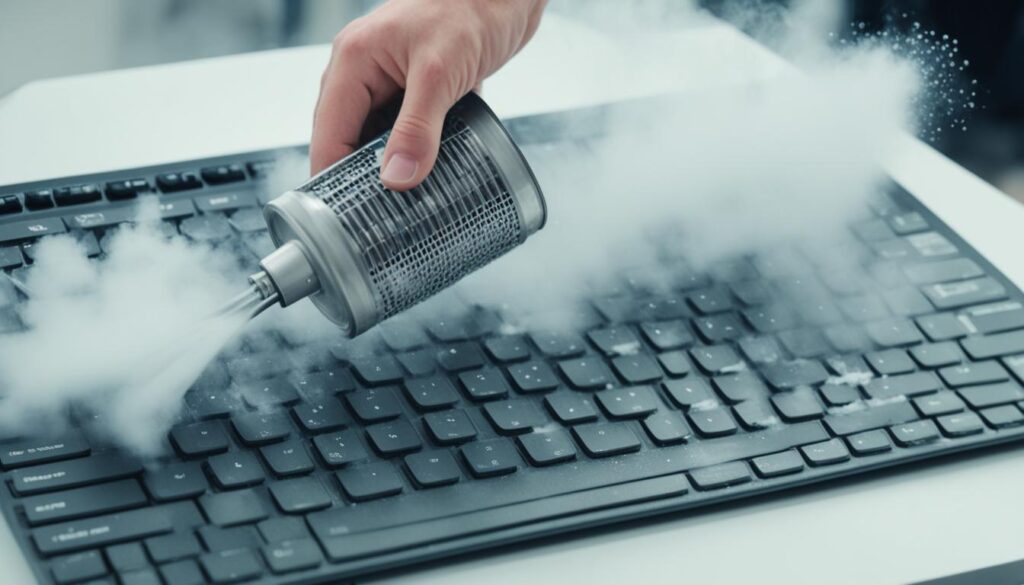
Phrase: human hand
(428,52)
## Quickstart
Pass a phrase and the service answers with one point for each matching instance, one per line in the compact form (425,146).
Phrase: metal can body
(376,252)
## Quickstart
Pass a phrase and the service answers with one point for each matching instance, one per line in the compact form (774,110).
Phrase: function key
(36,200)
(126,189)
(10,204)
(259,169)
(221,174)
(171,182)
(225,202)
(77,195)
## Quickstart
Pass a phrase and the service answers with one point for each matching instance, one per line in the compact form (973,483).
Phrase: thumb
(412,146)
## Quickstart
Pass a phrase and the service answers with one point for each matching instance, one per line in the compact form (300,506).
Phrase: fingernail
(401,168)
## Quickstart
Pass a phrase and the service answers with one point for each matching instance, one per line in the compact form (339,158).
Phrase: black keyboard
(449,434)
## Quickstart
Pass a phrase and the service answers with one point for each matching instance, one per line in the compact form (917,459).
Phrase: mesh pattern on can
(417,242)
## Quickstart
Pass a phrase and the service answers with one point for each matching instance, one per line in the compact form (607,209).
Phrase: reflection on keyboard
(766,371)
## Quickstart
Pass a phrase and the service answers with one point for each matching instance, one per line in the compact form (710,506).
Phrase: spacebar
(337,527)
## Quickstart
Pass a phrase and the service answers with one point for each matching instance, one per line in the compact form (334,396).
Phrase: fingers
(412,147)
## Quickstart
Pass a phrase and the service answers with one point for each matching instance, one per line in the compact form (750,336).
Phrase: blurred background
(49,38)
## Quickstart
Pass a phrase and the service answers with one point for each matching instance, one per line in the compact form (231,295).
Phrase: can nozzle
(288,273)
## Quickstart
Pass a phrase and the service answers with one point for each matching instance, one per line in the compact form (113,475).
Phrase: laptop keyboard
(451,433)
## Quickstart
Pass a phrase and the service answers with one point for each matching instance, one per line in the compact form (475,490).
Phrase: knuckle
(433,70)
(352,41)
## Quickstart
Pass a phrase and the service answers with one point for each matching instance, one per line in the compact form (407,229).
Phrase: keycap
(532,376)
(199,439)
(35,451)
(714,422)
(771,318)
(236,507)
(287,458)
(370,481)
(825,453)
(873,230)
(510,348)
(936,355)
(991,394)
(10,204)
(751,292)
(1001,417)
(960,425)
(890,362)
(175,481)
(942,271)
(270,393)
(893,332)
(870,417)
(341,448)
(206,228)
(78,567)
(548,448)
(184,572)
(39,199)
(637,369)
(231,566)
(212,403)
(299,495)
(586,373)
(321,416)
(907,302)
(952,295)
(101,530)
(77,194)
(904,385)
(667,428)
(783,376)
(450,427)
(292,555)
(571,408)
(908,223)
(720,476)
(10,257)
(280,528)
(849,365)
(85,501)
(172,182)
(869,443)
(739,386)
(490,458)
(33,228)
(804,343)
(973,373)
(222,174)
(838,394)
(756,414)
(720,327)
(914,433)
(761,350)
(778,464)
(105,466)
(715,359)
(394,438)
(127,557)
(943,402)
(511,417)
(260,429)
(932,244)
(431,393)
(374,404)
(711,300)
(797,405)
(173,547)
(432,468)
(846,338)
(630,402)
(989,346)
(461,356)
(377,370)
(419,362)
(615,340)
(235,469)
(216,538)
(996,317)
(606,439)
(666,335)
(688,392)
(675,363)
(942,326)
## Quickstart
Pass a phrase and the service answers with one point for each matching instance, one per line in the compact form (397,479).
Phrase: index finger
(346,98)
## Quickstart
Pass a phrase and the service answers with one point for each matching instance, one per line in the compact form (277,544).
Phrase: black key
(631,402)
(952,295)
(78,567)
(267,394)
(825,453)
(10,257)
(511,348)
(512,417)
(377,370)
(259,429)
(771,318)
(431,393)
(711,300)
(960,425)
(287,458)
(402,335)
(419,362)
(761,350)
(374,404)
(675,363)
(548,448)
(172,182)
(532,376)
(720,476)
(86,501)
(914,433)
(778,464)
(36,451)
(665,335)
(615,340)
(176,209)
(869,443)
(370,481)
(450,427)
(936,355)
(893,332)
(281,528)
(212,402)
(787,375)
(184,572)
(231,566)
(300,495)
(718,328)
(226,202)
(206,228)
(1001,417)
(637,369)
(102,530)
(126,189)
(175,481)
(458,357)
(996,318)
(714,422)
(907,302)
(890,362)
(989,346)
(715,359)
(944,402)
(340,448)
(905,385)
(869,418)
(586,373)
(667,428)
(740,386)
(991,394)
(606,439)
(10,204)
(804,343)
(23,230)
(320,416)
(230,508)
(98,468)
(755,414)
(942,271)
(77,195)
(235,469)
(797,405)
(942,326)
(849,365)
(571,408)
(199,439)
(217,539)
(908,223)
(394,438)
(292,555)
(558,344)
(839,394)
(432,468)
(173,547)
(491,458)
(221,174)
(41,199)
(972,373)
(752,292)
(847,338)
(688,392)
(127,557)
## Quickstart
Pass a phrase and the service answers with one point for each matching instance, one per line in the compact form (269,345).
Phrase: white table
(898,528)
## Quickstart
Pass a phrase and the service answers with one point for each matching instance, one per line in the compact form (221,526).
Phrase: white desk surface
(897,528)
